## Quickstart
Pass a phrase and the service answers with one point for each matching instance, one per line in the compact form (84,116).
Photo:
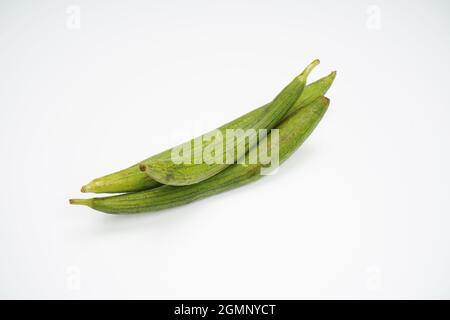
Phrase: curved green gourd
(292,132)
(188,171)
(132,179)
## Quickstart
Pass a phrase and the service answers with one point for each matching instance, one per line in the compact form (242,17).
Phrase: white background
(360,211)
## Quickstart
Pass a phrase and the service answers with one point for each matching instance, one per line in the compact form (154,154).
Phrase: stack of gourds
(159,182)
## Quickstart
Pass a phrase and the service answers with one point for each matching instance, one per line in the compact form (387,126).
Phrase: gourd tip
(83,202)
(309,68)
(325,100)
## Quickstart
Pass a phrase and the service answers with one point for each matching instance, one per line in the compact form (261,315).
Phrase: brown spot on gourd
(169,175)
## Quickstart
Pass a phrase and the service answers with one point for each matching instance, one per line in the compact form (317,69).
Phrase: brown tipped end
(83,189)
(83,202)
(325,101)
(142,167)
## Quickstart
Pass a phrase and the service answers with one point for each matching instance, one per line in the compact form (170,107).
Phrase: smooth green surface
(133,180)
(293,131)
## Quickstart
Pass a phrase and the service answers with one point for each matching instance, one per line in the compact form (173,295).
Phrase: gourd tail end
(325,100)
(310,67)
(82,202)
(93,186)
(333,75)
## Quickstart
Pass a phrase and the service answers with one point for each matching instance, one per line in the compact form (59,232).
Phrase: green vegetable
(293,131)
(133,180)
(165,170)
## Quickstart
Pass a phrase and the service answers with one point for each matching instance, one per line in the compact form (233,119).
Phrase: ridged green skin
(293,131)
(133,179)
(164,170)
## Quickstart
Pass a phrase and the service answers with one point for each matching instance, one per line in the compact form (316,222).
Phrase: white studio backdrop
(360,211)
